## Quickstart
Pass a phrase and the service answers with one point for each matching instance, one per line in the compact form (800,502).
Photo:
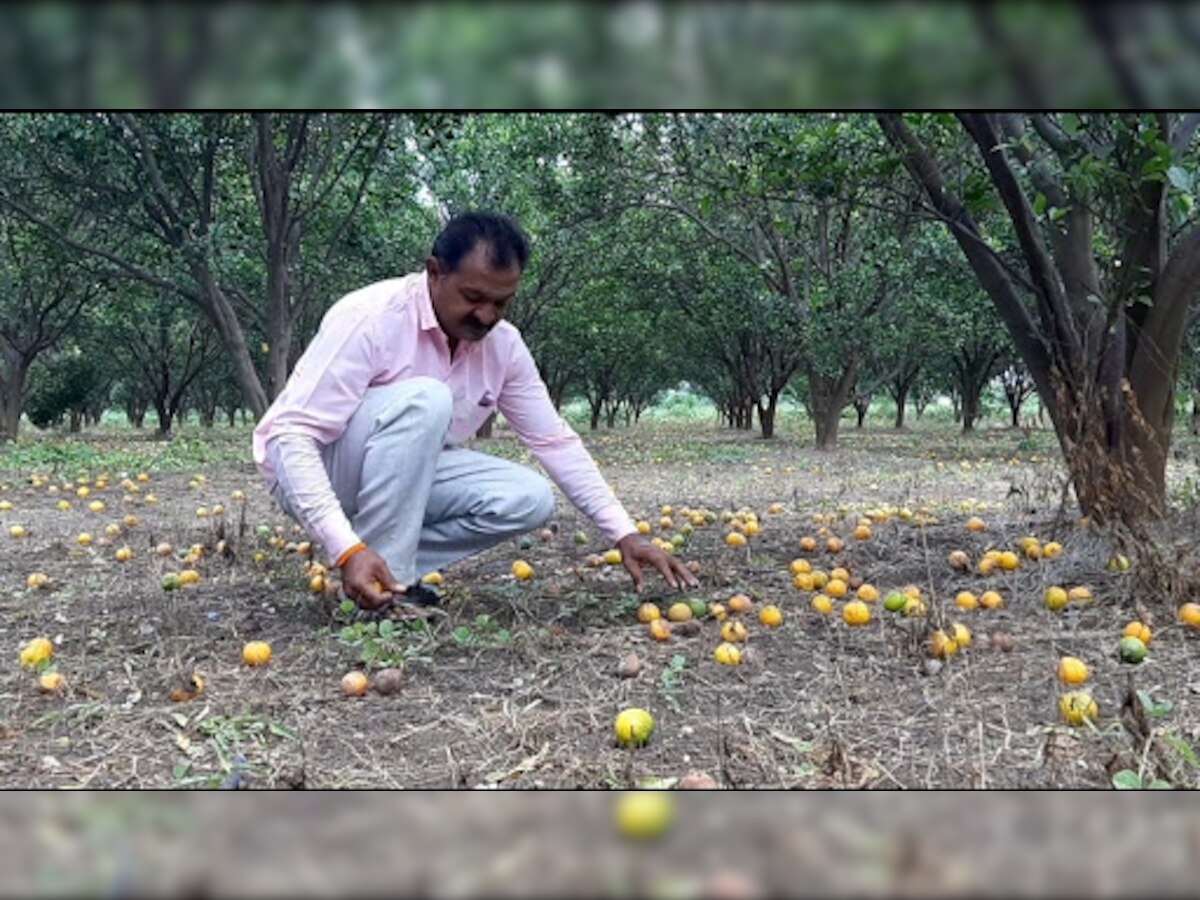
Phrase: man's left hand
(637,552)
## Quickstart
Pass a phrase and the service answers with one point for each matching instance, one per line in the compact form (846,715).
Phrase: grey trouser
(420,504)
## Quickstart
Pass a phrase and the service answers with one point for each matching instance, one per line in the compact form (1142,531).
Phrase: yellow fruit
(775,509)
(633,727)
(432,578)
(189,576)
(867,593)
(1009,561)
(914,607)
(808,544)
(612,557)
(130,521)
(1051,549)
(644,815)
(1073,670)
(820,580)
(237,495)
(835,545)
(522,570)
(804,582)
(96,506)
(679,612)
(316,584)
(1189,614)
(718,611)
(735,539)
(1056,598)
(965,600)
(740,603)
(770,616)
(83,491)
(727,654)
(911,590)
(991,600)
(354,684)
(976,524)
(856,613)
(51,682)
(256,653)
(36,652)
(961,634)
(941,645)
(17,531)
(38,580)
(218,510)
(1081,593)
(733,631)
(987,565)
(1032,551)
(643,527)
(64,505)
(1139,630)
(822,604)
(800,567)
(84,539)
(123,554)
(836,587)
(660,629)
(1078,707)
(648,612)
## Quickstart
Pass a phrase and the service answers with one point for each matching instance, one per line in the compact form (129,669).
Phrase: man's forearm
(306,490)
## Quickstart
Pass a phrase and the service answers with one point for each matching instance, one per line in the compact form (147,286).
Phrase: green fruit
(170,582)
(525,543)
(581,538)
(1132,649)
(263,531)
(686,529)
(699,607)
(678,541)
(895,601)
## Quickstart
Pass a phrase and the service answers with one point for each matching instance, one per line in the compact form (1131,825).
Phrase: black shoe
(420,594)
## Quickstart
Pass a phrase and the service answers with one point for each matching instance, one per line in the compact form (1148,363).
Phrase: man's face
(471,300)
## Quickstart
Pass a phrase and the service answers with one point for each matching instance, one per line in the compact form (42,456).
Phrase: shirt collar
(426,318)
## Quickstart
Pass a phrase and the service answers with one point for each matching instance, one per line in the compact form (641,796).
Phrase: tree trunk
(1196,411)
(12,398)
(861,408)
(165,416)
(828,397)
(596,407)
(901,398)
(766,415)
(75,421)
(970,408)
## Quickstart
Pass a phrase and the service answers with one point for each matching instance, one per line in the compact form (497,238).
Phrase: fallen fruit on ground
(894,601)
(633,727)
(1078,707)
(1132,649)
(941,645)
(660,629)
(961,635)
(1139,630)
(679,612)
(822,604)
(644,815)
(770,616)
(696,780)
(256,653)
(740,603)
(991,600)
(36,652)
(388,681)
(856,613)
(734,632)
(1072,670)
(522,570)
(354,684)
(1189,614)
(37,580)
(51,682)
(728,654)
(648,612)
(966,600)
(1056,598)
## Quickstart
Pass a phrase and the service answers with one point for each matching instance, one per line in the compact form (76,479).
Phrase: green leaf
(1158,784)
(1056,213)
(387,628)
(346,606)
(1180,178)
(281,731)
(1127,780)
(1039,203)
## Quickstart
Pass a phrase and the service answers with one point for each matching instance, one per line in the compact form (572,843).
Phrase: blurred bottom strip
(665,844)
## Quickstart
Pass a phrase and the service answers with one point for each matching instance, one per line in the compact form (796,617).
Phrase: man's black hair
(501,233)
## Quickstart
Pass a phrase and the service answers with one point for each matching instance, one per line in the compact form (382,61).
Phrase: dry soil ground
(516,684)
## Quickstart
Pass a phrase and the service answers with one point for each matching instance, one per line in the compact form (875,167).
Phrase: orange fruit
(740,603)
(679,612)
(965,600)
(976,524)
(522,570)
(735,539)
(354,684)
(991,600)
(856,613)
(836,588)
(734,632)
(822,604)
(770,616)
(1139,630)
(868,593)
(1189,614)
(808,544)
(1072,670)
(800,567)
(660,629)
(648,612)
(256,653)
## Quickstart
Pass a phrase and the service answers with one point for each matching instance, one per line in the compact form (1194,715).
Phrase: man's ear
(433,267)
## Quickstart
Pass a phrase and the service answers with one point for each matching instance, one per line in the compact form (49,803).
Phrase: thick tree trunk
(861,407)
(828,397)
(766,415)
(597,407)
(12,395)
(166,417)
(1195,429)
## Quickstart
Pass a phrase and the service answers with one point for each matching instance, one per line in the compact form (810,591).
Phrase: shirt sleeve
(526,405)
(323,392)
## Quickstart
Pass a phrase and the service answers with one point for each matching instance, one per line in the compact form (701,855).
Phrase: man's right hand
(368,581)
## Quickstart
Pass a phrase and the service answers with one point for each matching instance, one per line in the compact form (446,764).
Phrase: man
(361,448)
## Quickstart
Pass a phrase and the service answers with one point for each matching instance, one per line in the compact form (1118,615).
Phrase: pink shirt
(387,332)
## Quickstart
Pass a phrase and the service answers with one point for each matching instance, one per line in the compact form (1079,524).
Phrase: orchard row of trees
(172,261)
